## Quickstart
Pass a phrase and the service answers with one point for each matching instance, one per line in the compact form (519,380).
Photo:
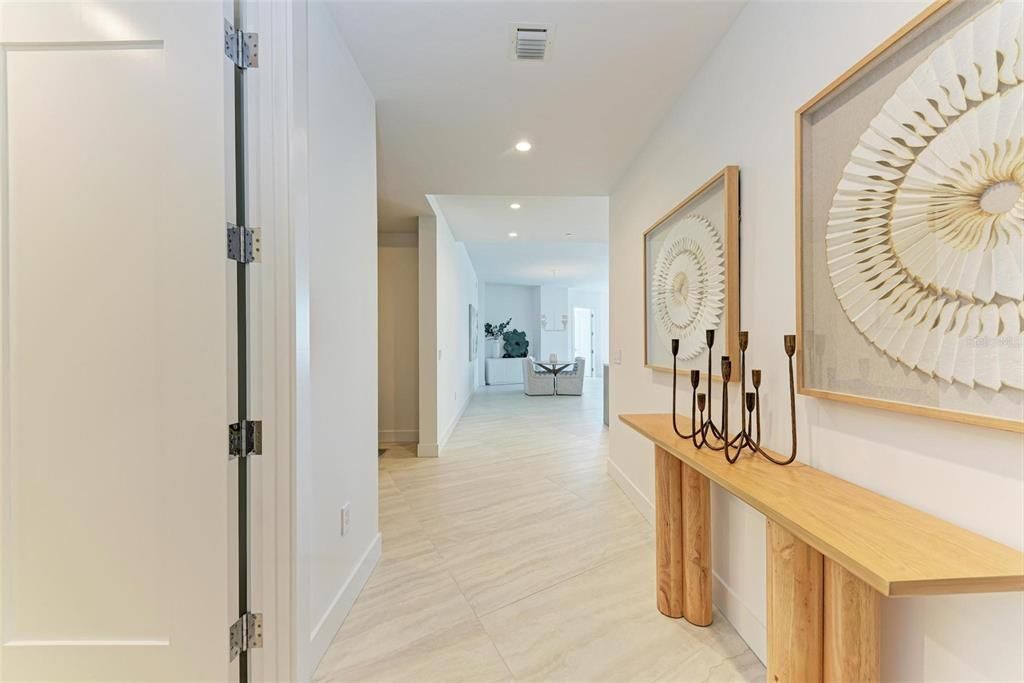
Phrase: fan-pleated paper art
(925,235)
(688,284)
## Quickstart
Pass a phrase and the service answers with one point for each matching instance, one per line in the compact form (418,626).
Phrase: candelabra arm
(743,393)
(710,424)
(757,410)
(700,432)
(675,427)
(725,423)
(792,421)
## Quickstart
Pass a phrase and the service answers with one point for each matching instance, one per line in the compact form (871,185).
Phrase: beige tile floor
(515,557)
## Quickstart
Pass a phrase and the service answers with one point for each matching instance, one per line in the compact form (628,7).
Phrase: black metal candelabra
(749,435)
(698,400)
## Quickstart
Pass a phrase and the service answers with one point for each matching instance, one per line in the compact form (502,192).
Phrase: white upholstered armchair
(535,382)
(569,382)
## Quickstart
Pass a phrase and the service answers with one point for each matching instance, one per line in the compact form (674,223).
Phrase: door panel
(114,529)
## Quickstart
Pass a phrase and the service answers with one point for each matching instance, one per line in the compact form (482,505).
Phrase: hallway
(515,557)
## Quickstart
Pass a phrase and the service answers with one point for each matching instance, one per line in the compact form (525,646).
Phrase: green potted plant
(494,335)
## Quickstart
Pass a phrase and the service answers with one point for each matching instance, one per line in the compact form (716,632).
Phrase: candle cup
(709,335)
(744,340)
(726,368)
(750,401)
(701,401)
(675,347)
(755,378)
(789,343)
(695,378)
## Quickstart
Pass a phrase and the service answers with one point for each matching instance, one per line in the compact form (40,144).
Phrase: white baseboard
(443,439)
(398,436)
(635,495)
(427,450)
(729,604)
(741,617)
(328,625)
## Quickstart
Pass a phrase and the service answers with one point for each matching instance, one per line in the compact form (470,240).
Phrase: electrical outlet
(345,518)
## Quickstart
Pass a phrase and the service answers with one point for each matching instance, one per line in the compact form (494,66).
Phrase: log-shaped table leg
(668,505)
(794,608)
(853,616)
(696,547)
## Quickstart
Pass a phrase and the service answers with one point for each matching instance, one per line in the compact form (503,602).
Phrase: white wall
(398,339)
(457,288)
(339,465)
(554,339)
(598,303)
(739,110)
(428,354)
(519,302)
(448,285)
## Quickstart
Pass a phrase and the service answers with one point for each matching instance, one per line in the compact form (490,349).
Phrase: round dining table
(554,366)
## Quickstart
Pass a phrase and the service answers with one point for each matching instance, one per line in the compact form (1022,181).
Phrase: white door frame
(278,125)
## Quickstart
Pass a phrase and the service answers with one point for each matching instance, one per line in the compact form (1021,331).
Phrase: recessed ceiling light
(568,234)
(513,234)
(524,146)
(514,205)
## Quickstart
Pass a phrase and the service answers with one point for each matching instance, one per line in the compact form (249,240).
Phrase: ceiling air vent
(530,43)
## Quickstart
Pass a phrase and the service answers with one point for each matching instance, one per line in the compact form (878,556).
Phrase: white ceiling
(564,264)
(451,102)
(485,218)
(559,241)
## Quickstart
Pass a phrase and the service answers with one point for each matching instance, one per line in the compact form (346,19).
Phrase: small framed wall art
(692,276)
(474,332)
(910,222)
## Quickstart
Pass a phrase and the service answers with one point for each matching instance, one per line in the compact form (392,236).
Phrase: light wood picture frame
(842,356)
(712,211)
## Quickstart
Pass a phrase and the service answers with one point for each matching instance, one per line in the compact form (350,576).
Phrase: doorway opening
(583,336)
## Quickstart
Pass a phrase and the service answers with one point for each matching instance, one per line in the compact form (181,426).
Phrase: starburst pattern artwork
(691,275)
(688,284)
(925,235)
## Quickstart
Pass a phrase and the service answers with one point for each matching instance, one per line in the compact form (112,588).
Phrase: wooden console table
(833,548)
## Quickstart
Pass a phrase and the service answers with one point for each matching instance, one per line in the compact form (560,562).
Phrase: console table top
(897,549)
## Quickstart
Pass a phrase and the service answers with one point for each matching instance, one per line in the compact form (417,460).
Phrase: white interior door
(583,336)
(114,382)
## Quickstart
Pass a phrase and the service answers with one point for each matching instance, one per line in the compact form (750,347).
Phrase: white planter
(493,347)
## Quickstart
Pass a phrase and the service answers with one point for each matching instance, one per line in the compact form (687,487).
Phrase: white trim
(270,107)
(297,358)
(163,642)
(329,623)
(632,491)
(443,439)
(398,436)
(743,619)
(427,450)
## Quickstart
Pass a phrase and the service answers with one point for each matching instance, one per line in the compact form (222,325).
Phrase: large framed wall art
(910,222)
(692,276)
